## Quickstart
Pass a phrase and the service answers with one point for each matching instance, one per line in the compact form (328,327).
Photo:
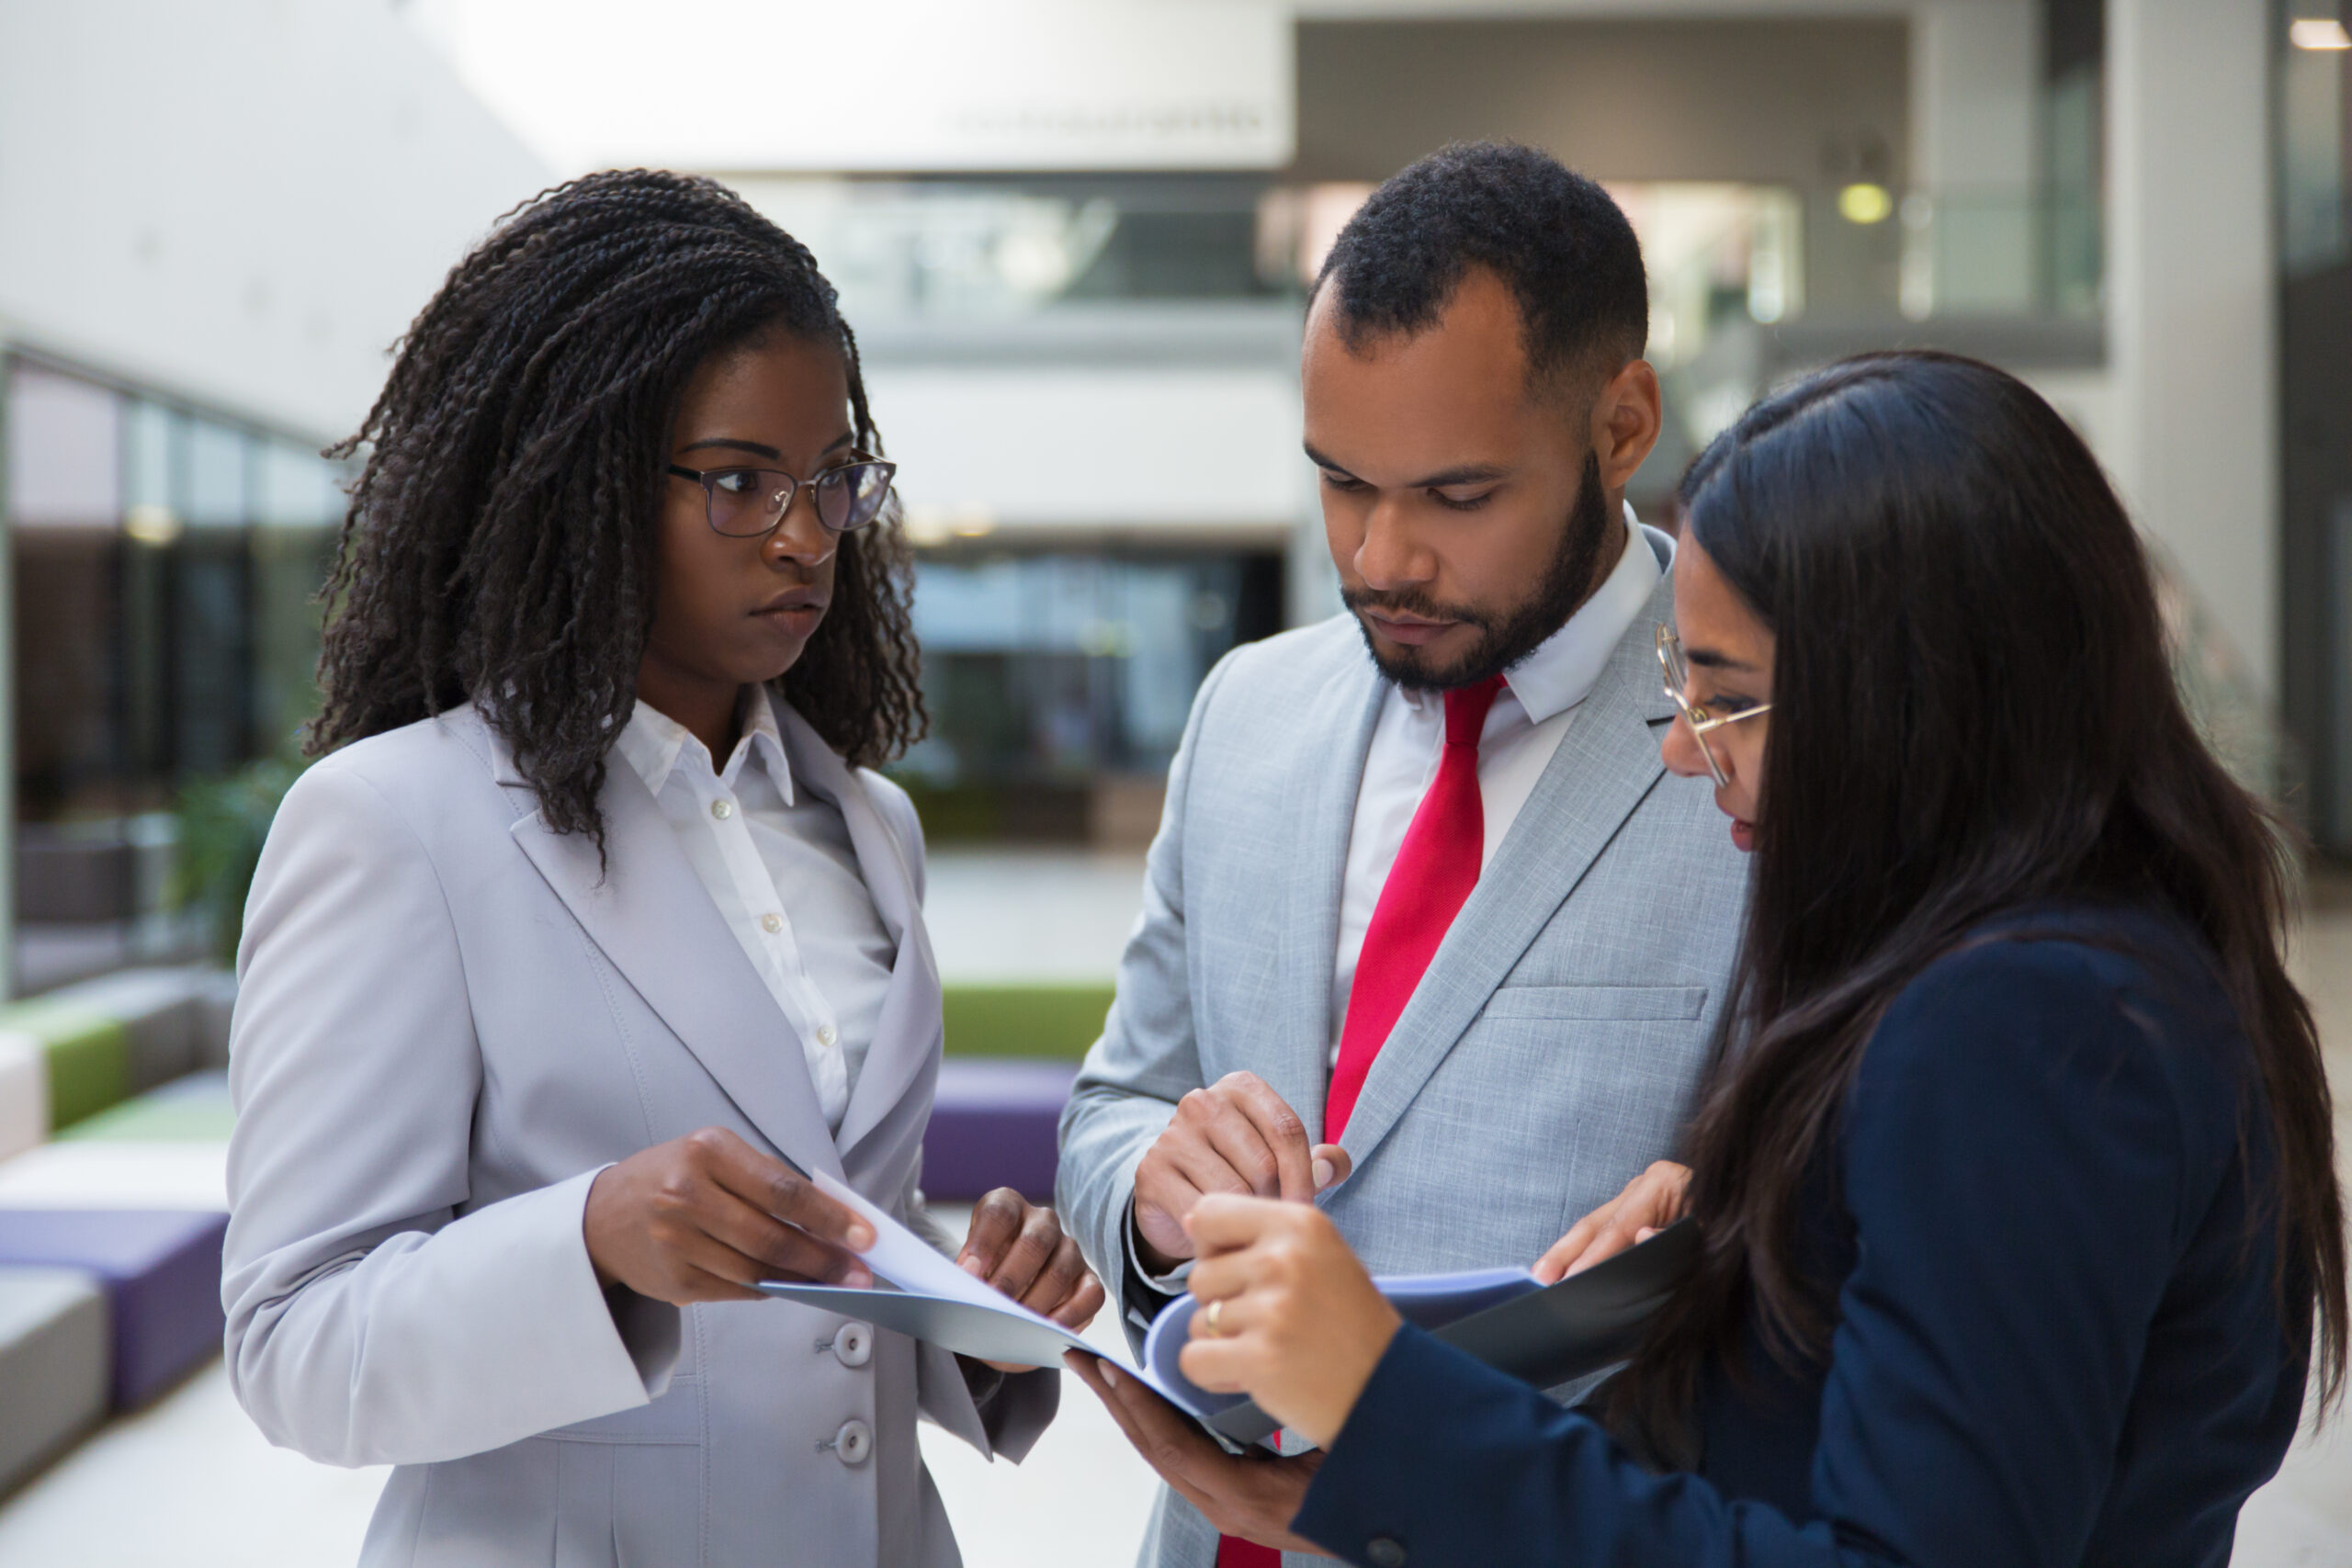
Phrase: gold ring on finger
(1214,1318)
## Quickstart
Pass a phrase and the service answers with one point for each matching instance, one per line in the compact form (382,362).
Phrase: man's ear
(1626,415)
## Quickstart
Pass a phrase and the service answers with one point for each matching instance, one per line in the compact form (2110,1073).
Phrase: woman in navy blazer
(2022,1236)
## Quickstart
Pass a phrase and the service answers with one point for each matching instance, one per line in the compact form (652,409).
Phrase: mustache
(1410,602)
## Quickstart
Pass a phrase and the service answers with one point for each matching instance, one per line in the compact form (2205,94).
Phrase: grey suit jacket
(1552,1047)
(449,1019)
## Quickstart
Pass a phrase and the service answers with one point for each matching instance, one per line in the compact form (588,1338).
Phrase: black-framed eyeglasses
(747,503)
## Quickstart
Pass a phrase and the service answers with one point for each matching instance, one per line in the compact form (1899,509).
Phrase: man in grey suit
(1428,936)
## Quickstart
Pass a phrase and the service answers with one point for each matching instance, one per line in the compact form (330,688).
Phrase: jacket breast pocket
(1659,1004)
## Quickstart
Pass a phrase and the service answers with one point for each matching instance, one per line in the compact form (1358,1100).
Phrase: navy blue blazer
(2057,1338)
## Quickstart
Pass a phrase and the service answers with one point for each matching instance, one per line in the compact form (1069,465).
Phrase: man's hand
(1254,1498)
(1019,1248)
(704,1217)
(1650,1203)
(1236,1136)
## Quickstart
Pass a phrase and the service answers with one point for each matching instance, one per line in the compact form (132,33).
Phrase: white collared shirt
(1531,715)
(779,864)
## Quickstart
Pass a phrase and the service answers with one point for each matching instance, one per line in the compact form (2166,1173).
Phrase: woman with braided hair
(593,935)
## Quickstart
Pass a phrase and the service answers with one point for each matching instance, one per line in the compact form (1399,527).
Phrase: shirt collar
(1567,665)
(653,744)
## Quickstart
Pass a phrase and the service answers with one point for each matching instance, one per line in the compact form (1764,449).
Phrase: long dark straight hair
(1973,712)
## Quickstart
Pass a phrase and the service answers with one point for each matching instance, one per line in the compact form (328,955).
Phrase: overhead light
(1865,204)
(152,524)
(2318,33)
(925,523)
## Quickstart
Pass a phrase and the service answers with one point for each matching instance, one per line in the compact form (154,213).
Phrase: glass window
(1055,668)
(298,487)
(2314,230)
(152,439)
(64,451)
(216,476)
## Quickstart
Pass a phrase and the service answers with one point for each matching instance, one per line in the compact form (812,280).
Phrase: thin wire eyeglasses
(1671,660)
(749,504)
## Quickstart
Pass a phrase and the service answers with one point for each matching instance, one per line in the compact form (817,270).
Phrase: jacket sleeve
(373,1317)
(1147,1058)
(2016,1167)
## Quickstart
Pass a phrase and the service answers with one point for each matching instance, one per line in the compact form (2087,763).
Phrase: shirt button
(771,923)
(722,809)
(856,1440)
(1383,1551)
(854,1344)
(825,1035)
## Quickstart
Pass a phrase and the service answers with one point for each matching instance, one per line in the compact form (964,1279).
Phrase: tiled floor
(189,1483)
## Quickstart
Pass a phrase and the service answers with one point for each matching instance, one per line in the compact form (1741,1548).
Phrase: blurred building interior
(1074,237)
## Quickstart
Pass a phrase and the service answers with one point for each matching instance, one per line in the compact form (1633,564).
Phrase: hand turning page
(931,1298)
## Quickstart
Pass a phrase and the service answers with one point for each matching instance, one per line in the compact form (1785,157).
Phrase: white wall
(1097,450)
(2191,287)
(1975,79)
(241,201)
(891,85)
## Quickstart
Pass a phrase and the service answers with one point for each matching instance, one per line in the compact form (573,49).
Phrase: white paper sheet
(908,1261)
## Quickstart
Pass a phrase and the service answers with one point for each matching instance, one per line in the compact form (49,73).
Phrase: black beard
(1511,635)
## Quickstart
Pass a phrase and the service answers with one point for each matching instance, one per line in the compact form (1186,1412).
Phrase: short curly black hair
(500,544)
(1554,237)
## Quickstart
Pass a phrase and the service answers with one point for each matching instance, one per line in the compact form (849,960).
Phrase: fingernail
(861,1236)
(973,1266)
(857,1278)
(1323,1174)
(1110,1378)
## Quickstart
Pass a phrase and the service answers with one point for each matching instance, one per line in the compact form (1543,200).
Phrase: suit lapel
(1607,763)
(653,918)
(906,1036)
(1299,1064)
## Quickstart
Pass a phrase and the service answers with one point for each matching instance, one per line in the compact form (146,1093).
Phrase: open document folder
(1544,1334)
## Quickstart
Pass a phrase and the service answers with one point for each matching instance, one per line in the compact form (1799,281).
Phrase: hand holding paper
(1650,1203)
(938,1301)
(1020,1249)
(707,1217)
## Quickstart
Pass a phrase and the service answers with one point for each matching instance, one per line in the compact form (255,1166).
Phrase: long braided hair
(499,547)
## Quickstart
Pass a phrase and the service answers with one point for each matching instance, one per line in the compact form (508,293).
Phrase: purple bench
(995,1124)
(161,1271)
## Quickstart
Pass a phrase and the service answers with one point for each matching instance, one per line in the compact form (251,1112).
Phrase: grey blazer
(449,1021)
(1550,1051)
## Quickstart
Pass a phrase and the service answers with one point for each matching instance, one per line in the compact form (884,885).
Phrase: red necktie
(1436,867)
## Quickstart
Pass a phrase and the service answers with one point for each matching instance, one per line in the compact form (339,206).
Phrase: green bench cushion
(194,1109)
(89,1055)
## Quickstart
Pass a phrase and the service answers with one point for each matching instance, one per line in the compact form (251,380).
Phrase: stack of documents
(1543,1334)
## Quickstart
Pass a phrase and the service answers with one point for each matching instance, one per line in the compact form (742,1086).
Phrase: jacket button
(856,1440)
(1383,1551)
(853,1344)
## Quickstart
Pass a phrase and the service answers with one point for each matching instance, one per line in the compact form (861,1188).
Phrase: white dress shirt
(779,864)
(1531,713)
